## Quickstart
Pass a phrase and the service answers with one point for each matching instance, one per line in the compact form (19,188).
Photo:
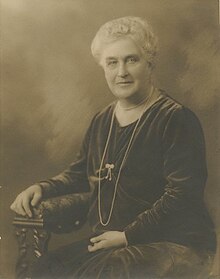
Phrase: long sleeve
(184,170)
(74,179)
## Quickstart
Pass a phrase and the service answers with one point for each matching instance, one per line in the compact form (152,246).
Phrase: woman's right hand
(26,200)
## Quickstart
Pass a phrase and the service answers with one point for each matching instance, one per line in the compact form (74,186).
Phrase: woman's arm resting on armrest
(72,180)
(27,199)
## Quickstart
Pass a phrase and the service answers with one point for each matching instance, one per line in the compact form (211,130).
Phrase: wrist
(36,187)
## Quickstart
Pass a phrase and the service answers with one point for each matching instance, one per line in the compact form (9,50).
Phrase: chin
(124,94)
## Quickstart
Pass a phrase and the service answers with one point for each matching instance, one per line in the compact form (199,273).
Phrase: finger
(12,206)
(96,246)
(19,205)
(35,200)
(97,238)
(93,248)
(19,208)
(90,248)
(26,207)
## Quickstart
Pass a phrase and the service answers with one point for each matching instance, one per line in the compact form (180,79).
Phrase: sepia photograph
(110,139)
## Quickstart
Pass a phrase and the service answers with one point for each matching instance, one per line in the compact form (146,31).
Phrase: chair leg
(22,265)
(41,239)
(32,244)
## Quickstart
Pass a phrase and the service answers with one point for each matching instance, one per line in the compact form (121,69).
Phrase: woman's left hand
(108,239)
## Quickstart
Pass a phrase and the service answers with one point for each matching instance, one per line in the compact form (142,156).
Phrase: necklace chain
(135,106)
(121,166)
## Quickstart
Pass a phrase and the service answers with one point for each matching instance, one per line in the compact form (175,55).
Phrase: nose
(122,70)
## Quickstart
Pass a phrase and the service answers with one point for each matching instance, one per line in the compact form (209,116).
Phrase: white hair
(135,28)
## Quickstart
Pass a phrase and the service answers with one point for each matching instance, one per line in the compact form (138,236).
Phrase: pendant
(109,167)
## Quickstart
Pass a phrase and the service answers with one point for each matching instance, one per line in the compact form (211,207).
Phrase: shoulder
(170,106)
(175,118)
(103,116)
(172,109)
(105,111)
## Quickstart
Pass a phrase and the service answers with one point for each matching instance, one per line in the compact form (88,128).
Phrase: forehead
(120,48)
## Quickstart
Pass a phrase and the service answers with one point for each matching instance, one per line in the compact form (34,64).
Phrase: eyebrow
(126,57)
(110,58)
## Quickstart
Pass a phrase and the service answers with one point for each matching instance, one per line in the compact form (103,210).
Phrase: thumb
(35,200)
(97,238)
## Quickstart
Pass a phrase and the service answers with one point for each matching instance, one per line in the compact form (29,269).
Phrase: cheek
(137,71)
(109,76)
(142,74)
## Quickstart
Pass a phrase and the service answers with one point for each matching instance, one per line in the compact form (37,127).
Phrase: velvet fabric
(146,261)
(160,192)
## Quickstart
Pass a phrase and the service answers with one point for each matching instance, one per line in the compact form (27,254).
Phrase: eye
(131,60)
(111,63)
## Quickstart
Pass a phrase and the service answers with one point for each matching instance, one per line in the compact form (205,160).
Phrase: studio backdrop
(51,87)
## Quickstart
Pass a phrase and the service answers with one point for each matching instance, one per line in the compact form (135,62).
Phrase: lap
(154,260)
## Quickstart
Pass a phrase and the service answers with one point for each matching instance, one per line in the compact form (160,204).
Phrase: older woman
(143,159)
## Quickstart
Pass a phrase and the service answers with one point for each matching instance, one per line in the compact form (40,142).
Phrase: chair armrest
(61,214)
(64,213)
(58,215)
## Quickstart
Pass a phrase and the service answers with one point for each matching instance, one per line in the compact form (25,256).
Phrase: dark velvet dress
(159,201)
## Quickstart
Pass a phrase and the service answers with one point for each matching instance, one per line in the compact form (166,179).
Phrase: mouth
(124,82)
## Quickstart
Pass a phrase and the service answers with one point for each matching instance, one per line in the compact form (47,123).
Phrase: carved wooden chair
(56,215)
(59,215)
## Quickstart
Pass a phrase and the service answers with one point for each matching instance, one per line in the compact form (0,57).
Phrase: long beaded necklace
(111,166)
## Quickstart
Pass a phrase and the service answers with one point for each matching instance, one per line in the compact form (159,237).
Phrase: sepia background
(51,86)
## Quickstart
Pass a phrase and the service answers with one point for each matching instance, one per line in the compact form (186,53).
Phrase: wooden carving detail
(58,214)
(22,261)
(32,243)
(40,244)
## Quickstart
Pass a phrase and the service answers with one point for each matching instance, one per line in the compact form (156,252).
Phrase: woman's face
(127,72)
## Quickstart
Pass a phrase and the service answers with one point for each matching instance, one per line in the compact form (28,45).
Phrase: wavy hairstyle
(133,27)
